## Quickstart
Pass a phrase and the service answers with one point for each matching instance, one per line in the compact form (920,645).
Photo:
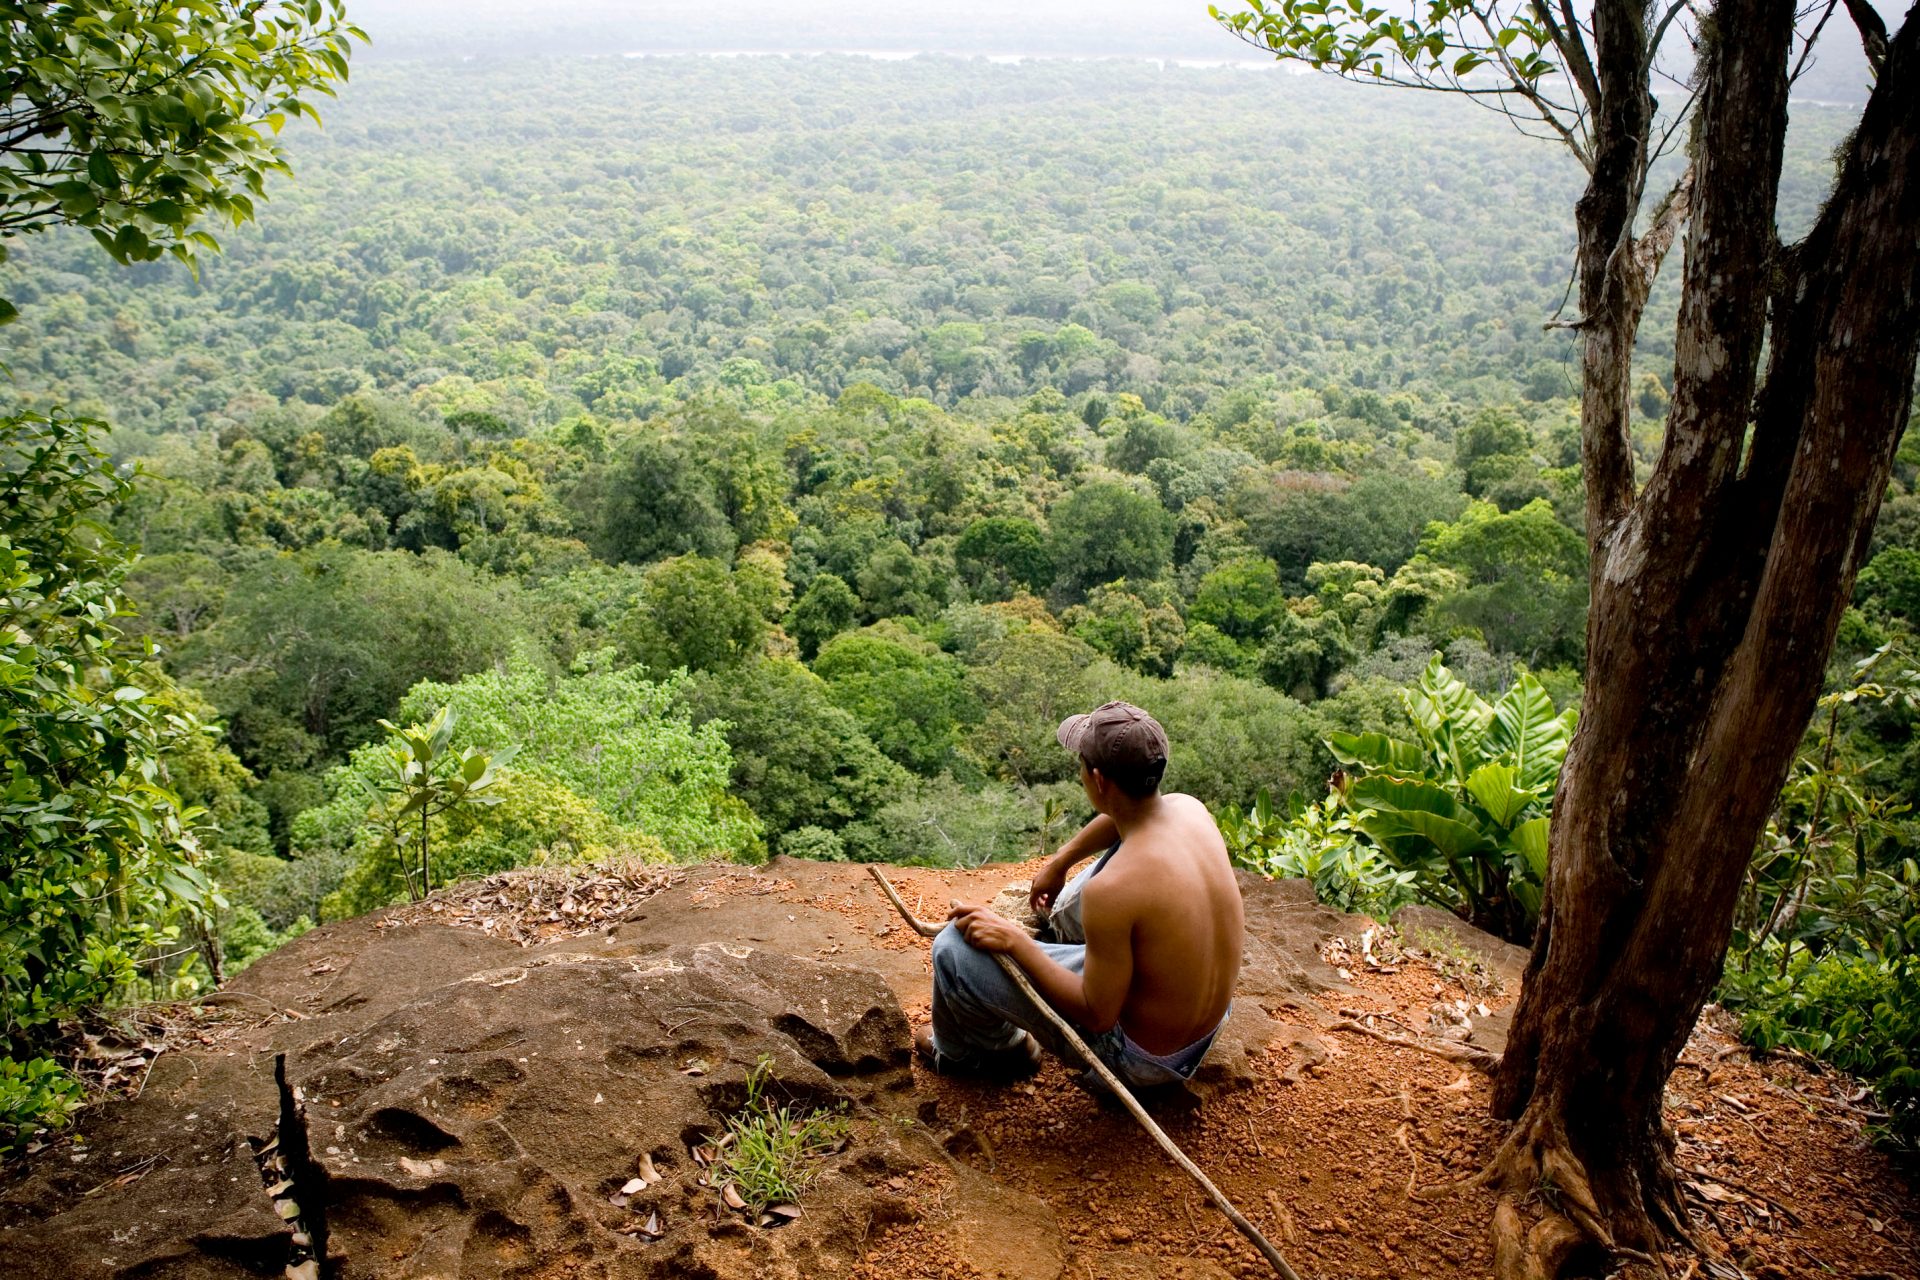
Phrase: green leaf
(1452,719)
(1402,807)
(101,169)
(1529,840)
(1527,730)
(1493,785)
(1377,751)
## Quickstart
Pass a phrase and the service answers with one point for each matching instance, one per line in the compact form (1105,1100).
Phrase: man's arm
(1091,1000)
(1052,878)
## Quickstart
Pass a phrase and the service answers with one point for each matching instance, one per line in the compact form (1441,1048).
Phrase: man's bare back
(1171,888)
(1160,924)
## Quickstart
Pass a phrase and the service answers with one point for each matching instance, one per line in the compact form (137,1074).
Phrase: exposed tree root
(1464,1054)
(1629,1215)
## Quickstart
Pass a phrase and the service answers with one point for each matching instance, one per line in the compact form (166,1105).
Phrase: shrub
(98,858)
(35,1096)
(1318,843)
(814,843)
(1466,807)
(1859,1012)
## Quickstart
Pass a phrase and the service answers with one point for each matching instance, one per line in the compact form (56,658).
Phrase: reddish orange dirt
(1356,1161)
(1360,1171)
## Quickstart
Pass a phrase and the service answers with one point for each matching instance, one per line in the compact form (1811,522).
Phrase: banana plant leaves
(1526,728)
(1377,751)
(1452,719)
(1466,807)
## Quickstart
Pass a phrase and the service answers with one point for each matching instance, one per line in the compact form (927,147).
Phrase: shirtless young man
(1150,936)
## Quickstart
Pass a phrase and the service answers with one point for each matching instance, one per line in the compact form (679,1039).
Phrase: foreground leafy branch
(134,120)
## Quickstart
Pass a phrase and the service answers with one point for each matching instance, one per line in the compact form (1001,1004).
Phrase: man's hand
(985,930)
(1047,886)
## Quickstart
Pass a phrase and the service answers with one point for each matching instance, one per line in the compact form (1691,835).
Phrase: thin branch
(1660,29)
(1807,51)
(1541,105)
(1673,127)
(1572,48)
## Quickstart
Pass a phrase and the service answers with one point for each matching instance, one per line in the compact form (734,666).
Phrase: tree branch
(1674,10)
(1572,48)
(1873,34)
(1806,51)
(1609,306)
(1651,248)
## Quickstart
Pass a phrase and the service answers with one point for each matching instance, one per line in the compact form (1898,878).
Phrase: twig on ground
(142,1086)
(1744,1189)
(224,997)
(1019,979)
(1465,1055)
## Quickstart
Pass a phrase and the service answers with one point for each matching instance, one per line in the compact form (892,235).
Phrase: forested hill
(532,239)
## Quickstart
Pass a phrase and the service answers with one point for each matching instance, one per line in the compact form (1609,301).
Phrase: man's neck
(1129,815)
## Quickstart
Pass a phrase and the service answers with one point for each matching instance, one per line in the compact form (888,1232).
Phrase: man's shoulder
(1182,800)
(1191,810)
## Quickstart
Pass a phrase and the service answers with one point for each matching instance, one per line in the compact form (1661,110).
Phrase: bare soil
(1355,1156)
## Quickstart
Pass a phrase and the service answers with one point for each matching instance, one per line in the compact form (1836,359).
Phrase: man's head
(1125,744)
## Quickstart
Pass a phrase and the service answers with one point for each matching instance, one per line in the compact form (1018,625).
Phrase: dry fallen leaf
(648,1174)
(732,1197)
(632,1185)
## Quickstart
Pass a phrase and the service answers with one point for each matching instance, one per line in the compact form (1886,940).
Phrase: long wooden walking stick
(1120,1091)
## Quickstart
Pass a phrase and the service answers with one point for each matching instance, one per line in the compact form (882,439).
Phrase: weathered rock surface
(479,1127)
(475,1105)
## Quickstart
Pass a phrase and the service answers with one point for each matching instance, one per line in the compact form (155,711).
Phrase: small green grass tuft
(772,1158)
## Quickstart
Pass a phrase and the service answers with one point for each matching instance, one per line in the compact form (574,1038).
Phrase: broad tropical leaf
(1526,727)
(1529,839)
(1496,787)
(1377,751)
(1452,719)
(1456,840)
(1409,808)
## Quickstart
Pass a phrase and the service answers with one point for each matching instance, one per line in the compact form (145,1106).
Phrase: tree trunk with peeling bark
(1717,588)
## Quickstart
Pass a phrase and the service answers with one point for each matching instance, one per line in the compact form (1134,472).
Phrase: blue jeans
(978,1011)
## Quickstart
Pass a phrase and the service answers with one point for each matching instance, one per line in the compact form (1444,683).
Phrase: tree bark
(1717,589)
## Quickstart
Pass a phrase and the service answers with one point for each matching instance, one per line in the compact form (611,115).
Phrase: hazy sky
(1156,28)
(1143,26)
